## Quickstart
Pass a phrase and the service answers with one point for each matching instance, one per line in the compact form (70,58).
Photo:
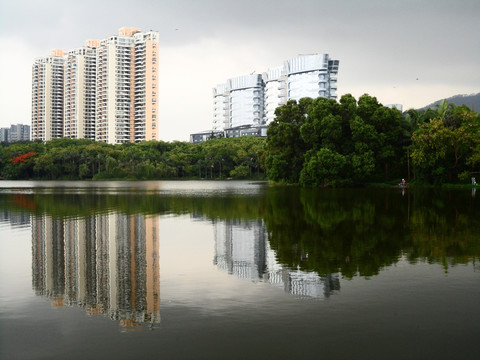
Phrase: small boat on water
(403,184)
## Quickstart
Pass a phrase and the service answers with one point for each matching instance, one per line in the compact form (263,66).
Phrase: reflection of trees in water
(445,227)
(363,230)
(331,231)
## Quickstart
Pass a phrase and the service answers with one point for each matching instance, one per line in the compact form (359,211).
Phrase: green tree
(239,172)
(325,167)
(285,146)
(444,149)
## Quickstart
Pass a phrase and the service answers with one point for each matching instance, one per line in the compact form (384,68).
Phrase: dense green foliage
(322,142)
(83,159)
(446,147)
(312,142)
(336,143)
(360,231)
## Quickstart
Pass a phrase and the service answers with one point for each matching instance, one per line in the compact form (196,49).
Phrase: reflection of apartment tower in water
(127,85)
(309,284)
(242,249)
(135,293)
(16,219)
(80,92)
(47,97)
(80,264)
(110,265)
(48,273)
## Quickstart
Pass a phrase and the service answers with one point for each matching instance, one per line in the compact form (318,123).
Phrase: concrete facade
(252,99)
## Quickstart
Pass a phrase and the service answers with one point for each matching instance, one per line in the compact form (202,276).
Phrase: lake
(237,270)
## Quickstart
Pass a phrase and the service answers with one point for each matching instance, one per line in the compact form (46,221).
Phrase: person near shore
(474,182)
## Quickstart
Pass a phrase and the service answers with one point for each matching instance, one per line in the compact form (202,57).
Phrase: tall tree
(443,149)
(285,146)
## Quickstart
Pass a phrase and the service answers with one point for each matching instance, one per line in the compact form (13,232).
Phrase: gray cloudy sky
(383,46)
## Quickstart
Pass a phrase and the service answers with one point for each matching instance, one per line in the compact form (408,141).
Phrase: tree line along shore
(312,142)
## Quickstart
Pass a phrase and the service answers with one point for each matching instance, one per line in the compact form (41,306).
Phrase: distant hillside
(469,100)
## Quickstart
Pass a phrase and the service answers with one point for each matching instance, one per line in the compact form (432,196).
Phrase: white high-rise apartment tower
(310,76)
(146,86)
(104,91)
(80,92)
(275,91)
(246,100)
(47,96)
(240,101)
(221,107)
(127,87)
(252,99)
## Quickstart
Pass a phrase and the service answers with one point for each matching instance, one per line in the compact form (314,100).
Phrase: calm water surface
(237,270)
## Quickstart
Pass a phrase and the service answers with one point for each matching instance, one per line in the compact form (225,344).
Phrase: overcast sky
(410,52)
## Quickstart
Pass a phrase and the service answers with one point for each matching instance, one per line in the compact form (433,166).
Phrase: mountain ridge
(472,101)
